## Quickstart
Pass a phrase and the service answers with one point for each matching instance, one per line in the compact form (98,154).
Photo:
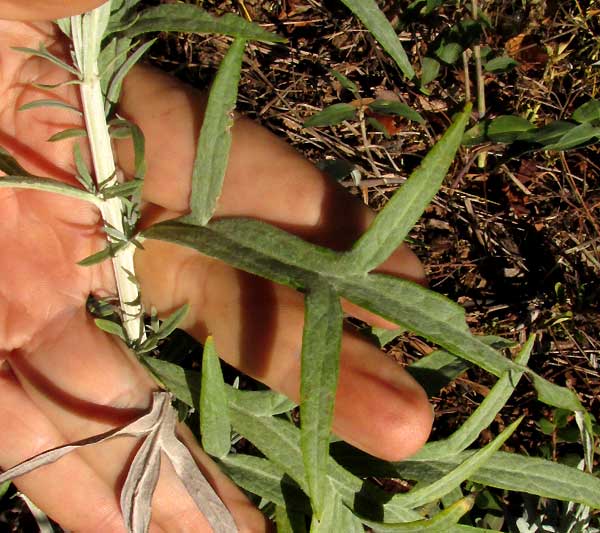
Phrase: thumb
(44,9)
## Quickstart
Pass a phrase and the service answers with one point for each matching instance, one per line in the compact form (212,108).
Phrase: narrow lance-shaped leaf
(68,134)
(277,439)
(276,255)
(321,341)
(422,495)
(267,480)
(43,52)
(114,89)
(215,137)
(391,226)
(483,415)
(215,427)
(336,516)
(392,107)
(188,18)
(332,115)
(443,521)
(588,112)
(48,185)
(376,22)
(36,104)
(511,471)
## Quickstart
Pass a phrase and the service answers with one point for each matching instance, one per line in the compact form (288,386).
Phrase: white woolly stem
(86,32)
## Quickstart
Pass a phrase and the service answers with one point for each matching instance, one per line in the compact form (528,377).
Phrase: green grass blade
(420,496)
(511,471)
(443,521)
(212,152)
(376,22)
(391,226)
(192,19)
(68,134)
(215,427)
(321,342)
(483,415)
(331,115)
(263,478)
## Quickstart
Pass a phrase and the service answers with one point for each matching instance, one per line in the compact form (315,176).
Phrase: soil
(516,243)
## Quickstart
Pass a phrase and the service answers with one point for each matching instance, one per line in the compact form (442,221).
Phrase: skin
(62,379)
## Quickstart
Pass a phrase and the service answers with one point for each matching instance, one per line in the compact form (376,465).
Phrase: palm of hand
(61,371)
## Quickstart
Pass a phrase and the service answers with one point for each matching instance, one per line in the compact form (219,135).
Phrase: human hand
(62,379)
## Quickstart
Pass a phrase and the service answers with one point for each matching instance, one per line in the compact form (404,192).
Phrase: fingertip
(380,408)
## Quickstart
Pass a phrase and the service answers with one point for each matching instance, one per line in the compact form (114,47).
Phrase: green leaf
(500,64)
(116,82)
(215,427)
(83,174)
(261,403)
(346,83)
(277,439)
(577,136)
(169,324)
(449,52)
(483,416)
(184,384)
(430,68)
(588,112)
(43,52)
(391,226)
(48,185)
(272,253)
(436,370)
(550,133)
(507,128)
(289,521)
(263,478)
(391,107)
(4,488)
(331,115)
(443,521)
(192,19)
(425,494)
(321,342)
(385,336)
(49,103)
(376,22)
(68,134)
(10,166)
(109,251)
(121,129)
(127,188)
(511,471)
(215,137)
(336,516)
(110,327)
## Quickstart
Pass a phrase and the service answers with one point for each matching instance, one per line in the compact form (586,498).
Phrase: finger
(86,384)
(26,431)
(44,9)
(257,327)
(265,177)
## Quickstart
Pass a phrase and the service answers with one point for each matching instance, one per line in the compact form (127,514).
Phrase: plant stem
(86,45)
(481,107)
